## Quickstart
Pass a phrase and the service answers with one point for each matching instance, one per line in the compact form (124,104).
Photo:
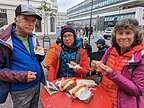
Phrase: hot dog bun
(67,84)
(76,90)
(81,92)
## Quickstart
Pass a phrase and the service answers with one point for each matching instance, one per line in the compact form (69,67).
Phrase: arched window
(3,17)
(38,26)
(52,24)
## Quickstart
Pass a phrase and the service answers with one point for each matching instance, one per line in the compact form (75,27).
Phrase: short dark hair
(127,24)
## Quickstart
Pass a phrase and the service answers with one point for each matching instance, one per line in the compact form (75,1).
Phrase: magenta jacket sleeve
(130,82)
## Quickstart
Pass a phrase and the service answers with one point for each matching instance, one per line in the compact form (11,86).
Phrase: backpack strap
(106,55)
(142,53)
(134,66)
(78,56)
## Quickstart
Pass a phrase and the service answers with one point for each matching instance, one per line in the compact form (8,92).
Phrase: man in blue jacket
(21,44)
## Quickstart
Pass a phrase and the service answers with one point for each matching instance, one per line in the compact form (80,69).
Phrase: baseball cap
(26,10)
(100,41)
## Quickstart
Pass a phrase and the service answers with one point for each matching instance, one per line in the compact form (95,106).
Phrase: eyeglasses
(68,36)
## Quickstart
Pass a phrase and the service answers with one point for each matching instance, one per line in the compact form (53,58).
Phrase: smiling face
(125,37)
(25,24)
(68,39)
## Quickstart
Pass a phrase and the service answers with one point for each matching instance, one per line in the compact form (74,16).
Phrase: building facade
(61,19)
(45,27)
(105,13)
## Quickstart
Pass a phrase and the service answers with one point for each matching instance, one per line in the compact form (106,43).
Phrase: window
(52,24)
(3,19)
(38,26)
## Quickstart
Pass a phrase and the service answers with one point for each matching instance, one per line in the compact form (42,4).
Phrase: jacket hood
(5,35)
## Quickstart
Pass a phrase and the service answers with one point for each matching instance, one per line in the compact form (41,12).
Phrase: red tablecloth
(61,100)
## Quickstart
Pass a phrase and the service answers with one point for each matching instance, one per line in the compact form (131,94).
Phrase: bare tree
(45,10)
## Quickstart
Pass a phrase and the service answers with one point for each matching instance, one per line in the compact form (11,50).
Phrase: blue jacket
(130,80)
(8,76)
(24,60)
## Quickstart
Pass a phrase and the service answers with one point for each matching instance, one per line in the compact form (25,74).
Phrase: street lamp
(90,33)
(28,1)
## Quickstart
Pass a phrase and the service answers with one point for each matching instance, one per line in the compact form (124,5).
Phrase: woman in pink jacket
(123,66)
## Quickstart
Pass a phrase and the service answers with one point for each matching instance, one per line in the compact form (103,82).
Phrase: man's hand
(31,76)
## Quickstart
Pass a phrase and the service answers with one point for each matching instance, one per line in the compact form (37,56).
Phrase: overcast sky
(63,5)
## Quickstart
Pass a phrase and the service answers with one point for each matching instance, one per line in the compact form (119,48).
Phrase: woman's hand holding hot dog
(100,67)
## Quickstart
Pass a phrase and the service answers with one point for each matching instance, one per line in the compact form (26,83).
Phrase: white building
(47,26)
(61,19)
(105,12)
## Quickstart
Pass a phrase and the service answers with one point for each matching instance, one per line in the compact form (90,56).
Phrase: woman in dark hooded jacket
(66,60)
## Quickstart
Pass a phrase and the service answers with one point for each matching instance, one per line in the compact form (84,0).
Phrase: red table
(61,100)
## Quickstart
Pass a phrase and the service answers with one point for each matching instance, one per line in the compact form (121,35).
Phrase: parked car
(107,33)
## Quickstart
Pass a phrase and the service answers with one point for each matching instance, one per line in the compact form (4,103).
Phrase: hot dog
(73,63)
(67,85)
(77,89)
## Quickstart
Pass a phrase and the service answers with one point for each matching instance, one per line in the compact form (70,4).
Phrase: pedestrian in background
(20,43)
(58,41)
(142,35)
(86,31)
(59,59)
(87,46)
(122,66)
(102,47)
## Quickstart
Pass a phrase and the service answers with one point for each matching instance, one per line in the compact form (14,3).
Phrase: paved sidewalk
(8,103)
